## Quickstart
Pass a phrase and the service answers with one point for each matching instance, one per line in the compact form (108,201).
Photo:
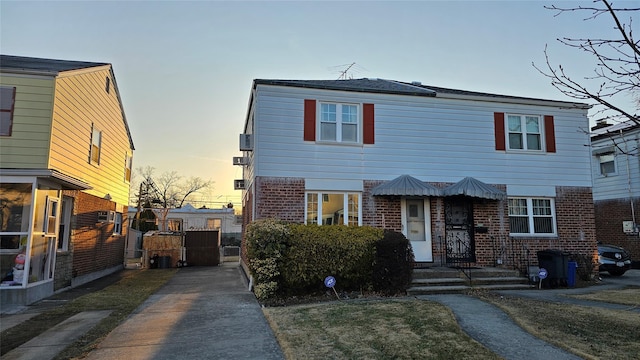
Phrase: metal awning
(474,188)
(405,185)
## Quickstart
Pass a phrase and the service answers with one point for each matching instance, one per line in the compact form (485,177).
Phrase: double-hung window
(524,132)
(339,122)
(532,216)
(333,208)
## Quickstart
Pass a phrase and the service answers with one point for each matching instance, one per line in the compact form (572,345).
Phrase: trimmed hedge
(346,253)
(294,259)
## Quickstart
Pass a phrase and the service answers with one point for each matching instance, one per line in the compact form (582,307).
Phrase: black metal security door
(460,245)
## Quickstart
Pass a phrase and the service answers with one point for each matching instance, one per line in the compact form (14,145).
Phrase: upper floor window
(7,102)
(96,143)
(607,164)
(339,122)
(531,216)
(333,208)
(524,132)
(128,160)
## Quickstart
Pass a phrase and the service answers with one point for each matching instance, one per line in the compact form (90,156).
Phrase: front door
(416,211)
(459,230)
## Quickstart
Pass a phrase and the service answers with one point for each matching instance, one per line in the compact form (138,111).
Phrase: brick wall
(609,215)
(64,270)
(281,198)
(93,244)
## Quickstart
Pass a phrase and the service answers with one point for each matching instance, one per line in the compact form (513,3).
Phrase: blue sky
(184,68)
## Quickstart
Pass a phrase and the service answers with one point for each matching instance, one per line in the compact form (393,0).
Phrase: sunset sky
(184,68)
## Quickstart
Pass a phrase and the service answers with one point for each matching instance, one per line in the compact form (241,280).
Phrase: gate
(202,248)
(460,245)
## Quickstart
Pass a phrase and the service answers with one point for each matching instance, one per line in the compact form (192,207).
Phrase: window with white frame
(96,143)
(607,164)
(117,224)
(64,234)
(524,132)
(339,122)
(531,216)
(333,208)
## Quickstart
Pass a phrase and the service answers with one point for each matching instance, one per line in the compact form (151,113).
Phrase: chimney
(601,123)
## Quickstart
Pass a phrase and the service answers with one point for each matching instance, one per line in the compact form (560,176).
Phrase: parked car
(613,259)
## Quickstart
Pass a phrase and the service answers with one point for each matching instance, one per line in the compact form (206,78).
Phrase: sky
(184,69)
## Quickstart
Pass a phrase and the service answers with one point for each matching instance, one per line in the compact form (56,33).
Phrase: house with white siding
(616,184)
(471,177)
(65,165)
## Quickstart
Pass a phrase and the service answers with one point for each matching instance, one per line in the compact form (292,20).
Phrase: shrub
(393,269)
(585,266)
(266,243)
(344,252)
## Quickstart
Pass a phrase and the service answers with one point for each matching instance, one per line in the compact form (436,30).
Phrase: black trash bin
(556,264)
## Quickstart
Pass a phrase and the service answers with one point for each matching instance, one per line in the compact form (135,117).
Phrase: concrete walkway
(201,313)
(492,328)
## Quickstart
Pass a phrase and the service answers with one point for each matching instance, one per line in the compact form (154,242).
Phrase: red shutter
(309,120)
(498,120)
(549,133)
(368,124)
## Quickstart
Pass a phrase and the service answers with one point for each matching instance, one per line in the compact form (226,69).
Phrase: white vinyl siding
(435,139)
(624,182)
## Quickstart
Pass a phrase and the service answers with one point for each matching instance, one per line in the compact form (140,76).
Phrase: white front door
(416,221)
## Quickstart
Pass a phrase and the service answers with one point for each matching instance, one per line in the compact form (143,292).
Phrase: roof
(24,63)
(405,185)
(372,85)
(52,67)
(474,188)
(606,131)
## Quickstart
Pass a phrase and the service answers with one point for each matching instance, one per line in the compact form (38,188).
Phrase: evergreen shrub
(393,269)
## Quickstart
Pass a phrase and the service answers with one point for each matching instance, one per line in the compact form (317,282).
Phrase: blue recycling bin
(572,267)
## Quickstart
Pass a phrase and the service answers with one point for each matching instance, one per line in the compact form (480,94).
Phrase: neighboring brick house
(616,184)
(468,177)
(65,157)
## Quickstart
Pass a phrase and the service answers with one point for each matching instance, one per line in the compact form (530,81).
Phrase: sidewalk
(201,313)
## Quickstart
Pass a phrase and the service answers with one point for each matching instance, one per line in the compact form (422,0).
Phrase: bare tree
(617,63)
(169,189)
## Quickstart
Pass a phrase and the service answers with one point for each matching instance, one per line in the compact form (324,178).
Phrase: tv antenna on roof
(346,70)
(344,73)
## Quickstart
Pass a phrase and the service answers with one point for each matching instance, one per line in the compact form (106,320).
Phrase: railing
(463,259)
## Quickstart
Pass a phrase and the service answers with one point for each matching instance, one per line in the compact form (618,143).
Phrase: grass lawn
(122,297)
(394,328)
(590,332)
(382,329)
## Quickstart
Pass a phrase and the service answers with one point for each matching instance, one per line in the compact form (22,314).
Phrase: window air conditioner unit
(246,142)
(239,160)
(238,184)
(103,216)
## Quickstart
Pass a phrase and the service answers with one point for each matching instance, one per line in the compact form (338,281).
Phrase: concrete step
(457,289)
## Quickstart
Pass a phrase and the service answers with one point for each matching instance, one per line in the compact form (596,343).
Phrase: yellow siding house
(65,165)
